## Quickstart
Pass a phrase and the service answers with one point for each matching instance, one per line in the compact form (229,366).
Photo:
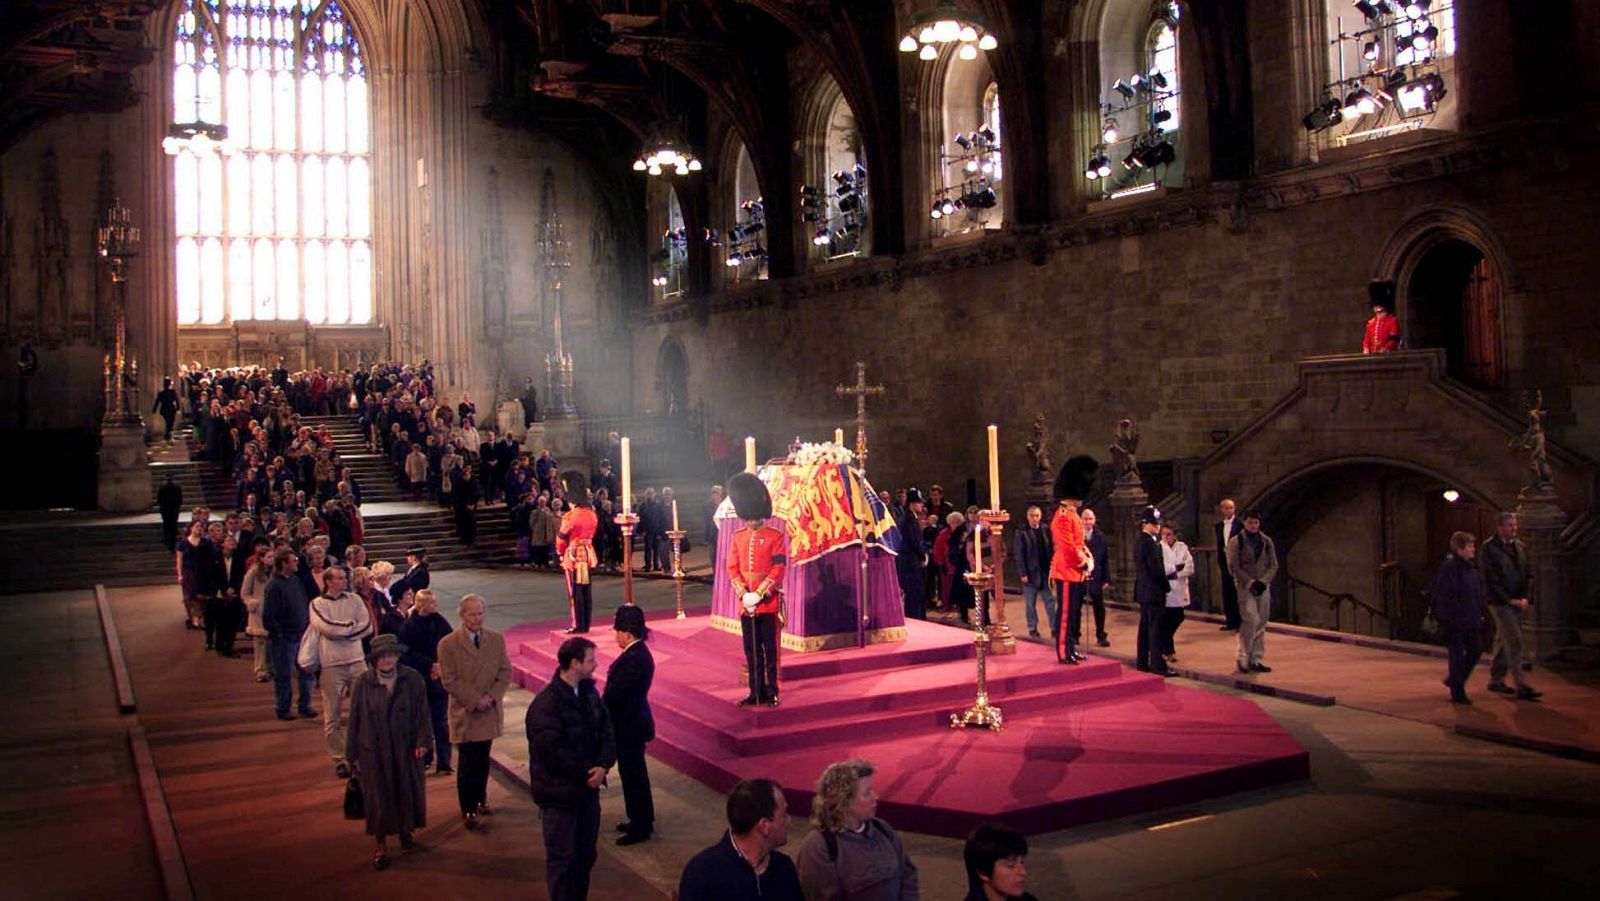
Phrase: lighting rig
(744,241)
(977,164)
(669,261)
(1123,161)
(837,218)
(1400,85)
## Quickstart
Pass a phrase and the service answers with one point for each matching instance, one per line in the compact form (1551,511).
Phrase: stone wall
(1188,314)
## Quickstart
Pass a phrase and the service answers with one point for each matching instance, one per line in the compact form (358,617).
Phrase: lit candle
(749,454)
(977,549)
(994,468)
(674,514)
(627,475)
(838,437)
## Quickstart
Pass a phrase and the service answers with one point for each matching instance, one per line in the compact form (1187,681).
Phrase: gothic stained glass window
(280,229)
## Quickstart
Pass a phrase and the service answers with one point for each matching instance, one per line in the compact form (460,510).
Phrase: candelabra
(628,521)
(999,630)
(676,535)
(981,713)
(118,242)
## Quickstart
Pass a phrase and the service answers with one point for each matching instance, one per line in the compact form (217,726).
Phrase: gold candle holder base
(676,535)
(981,713)
(628,521)
(1002,641)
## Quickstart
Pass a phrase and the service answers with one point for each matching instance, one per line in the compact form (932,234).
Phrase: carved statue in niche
(1532,440)
(1039,446)
(1124,447)
(52,257)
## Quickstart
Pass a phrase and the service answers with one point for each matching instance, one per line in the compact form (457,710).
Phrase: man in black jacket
(1227,527)
(1032,553)
(911,561)
(1150,587)
(170,500)
(1504,563)
(570,748)
(627,700)
(285,613)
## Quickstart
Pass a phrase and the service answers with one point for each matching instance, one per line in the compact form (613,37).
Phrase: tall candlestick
(674,514)
(994,468)
(627,475)
(749,454)
(977,552)
(838,437)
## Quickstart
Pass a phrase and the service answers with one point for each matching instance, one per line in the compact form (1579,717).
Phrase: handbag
(309,657)
(355,806)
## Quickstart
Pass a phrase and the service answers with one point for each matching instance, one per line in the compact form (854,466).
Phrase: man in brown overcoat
(476,672)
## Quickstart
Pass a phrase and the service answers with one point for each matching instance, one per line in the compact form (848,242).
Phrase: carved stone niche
(337,347)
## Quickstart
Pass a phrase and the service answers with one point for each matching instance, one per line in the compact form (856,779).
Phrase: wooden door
(1481,362)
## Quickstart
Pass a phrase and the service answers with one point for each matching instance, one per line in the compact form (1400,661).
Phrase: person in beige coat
(476,672)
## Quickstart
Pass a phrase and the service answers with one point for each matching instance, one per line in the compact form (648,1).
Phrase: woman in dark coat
(1457,598)
(389,735)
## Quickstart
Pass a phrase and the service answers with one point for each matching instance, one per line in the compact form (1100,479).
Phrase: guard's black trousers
(760,634)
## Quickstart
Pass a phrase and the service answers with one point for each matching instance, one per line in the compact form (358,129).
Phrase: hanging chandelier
(946,24)
(198,137)
(665,151)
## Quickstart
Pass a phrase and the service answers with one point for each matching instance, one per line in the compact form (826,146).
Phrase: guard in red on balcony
(755,567)
(575,545)
(1383,329)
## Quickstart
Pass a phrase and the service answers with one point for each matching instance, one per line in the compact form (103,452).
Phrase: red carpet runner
(1081,743)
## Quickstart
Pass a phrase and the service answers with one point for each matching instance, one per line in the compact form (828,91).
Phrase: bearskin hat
(750,497)
(1076,478)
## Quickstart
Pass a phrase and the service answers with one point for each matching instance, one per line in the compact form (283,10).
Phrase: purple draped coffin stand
(820,597)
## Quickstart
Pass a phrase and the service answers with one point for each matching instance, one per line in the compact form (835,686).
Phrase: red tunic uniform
(1066,531)
(575,543)
(755,563)
(1382,335)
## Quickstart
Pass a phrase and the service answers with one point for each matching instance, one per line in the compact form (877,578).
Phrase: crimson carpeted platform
(1081,743)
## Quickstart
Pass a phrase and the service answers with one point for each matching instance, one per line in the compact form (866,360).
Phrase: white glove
(751,599)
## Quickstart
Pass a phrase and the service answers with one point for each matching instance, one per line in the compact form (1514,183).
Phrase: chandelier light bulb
(695,165)
(654,170)
(968,51)
(928,52)
(908,44)
(946,30)
(987,42)
(968,34)
(171,146)
(640,165)
(926,35)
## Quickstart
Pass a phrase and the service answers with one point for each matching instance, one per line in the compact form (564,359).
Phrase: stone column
(1547,624)
(1127,499)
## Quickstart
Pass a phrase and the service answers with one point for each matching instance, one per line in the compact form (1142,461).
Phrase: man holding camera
(1253,563)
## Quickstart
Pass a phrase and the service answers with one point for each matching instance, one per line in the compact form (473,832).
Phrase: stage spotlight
(1156,80)
(947,207)
(1416,9)
(1367,8)
(1132,162)
(1423,38)
(849,203)
(1126,90)
(1360,102)
(1159,116)
(987,134)
(1092,170)
(1369,51)
(1420,96)
(985,199)
(937,211)
(1108,131)
(1329,114)
(962,141)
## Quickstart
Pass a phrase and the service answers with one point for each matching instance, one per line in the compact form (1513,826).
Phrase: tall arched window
(1140,146)
(281,228)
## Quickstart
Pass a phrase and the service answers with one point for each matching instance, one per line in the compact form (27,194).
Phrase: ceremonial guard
(1070,561)
(1382,334)
(575,545)
(755,567)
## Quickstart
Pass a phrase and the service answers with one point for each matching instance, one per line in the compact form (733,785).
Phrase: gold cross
(861,390)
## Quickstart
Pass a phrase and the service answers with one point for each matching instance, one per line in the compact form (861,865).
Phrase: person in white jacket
(341,620)
(1180,568)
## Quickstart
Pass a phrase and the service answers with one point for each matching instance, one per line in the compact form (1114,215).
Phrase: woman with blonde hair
(853,855)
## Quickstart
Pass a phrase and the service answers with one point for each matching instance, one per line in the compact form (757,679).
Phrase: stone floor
(1396,806)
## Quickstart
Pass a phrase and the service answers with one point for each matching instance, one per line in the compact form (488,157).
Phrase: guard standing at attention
(755,567)
(575,545)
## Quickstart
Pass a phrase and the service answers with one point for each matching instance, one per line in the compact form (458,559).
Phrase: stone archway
(672,379)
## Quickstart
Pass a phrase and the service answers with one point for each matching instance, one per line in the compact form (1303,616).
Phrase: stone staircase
(60,556)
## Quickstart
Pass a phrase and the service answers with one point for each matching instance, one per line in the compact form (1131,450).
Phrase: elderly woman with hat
(388,738)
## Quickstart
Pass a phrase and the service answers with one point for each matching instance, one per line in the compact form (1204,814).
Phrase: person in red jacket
(756,559)
(575,545)
(1382,334)
(1070,561)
